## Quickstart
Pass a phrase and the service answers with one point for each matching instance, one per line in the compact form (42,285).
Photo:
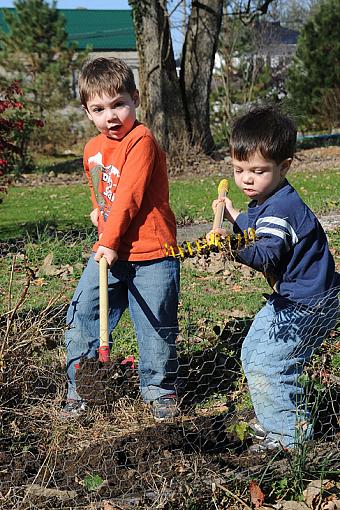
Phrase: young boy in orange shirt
(131,210)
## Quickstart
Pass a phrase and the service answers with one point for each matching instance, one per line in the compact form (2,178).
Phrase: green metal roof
(101,29)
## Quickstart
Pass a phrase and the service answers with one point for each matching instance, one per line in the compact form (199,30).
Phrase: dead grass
(115,452)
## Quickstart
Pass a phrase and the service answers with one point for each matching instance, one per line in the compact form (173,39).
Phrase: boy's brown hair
(266,129)
(103,75)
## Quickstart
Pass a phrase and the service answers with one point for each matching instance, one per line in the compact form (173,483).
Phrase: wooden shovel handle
(104,351)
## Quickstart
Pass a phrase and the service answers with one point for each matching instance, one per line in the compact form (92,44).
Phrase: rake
(229,245)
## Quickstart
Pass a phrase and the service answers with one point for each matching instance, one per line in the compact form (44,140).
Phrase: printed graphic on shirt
(106,178)
(95,174)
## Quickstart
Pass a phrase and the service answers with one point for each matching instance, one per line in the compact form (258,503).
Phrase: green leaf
(241,430)
(92,482)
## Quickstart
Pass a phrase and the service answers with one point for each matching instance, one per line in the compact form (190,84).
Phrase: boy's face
(113,116)
(259,177)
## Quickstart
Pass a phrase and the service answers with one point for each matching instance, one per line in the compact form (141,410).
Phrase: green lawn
(65,207)
(206,300)
(24,209)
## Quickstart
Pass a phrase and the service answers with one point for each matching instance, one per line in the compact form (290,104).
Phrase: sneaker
(266,445)
(164,408)
(256,430)
(73,408)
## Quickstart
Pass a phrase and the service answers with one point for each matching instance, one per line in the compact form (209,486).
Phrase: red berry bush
(17,123)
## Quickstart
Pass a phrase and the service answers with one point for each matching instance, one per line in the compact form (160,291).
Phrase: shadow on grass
(65,166)
(14,238)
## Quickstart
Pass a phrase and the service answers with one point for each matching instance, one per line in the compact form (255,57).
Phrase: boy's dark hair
(103,75)
(264,128)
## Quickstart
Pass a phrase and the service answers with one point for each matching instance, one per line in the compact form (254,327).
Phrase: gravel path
(189,232)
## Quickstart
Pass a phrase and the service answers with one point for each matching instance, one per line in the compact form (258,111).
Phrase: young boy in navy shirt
(291,250)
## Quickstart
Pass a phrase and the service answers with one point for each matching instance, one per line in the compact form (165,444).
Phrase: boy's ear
(87,112)
(136,98)
(285,165)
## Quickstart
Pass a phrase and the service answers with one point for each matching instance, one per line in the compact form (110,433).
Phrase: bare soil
(115,454)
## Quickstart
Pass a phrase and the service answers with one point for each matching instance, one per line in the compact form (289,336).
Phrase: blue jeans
(280,341)
(150,290)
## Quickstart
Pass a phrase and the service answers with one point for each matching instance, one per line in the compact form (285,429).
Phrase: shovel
(104,349)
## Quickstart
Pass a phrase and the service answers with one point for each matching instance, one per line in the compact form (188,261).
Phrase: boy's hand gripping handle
(223,189)
(104,349)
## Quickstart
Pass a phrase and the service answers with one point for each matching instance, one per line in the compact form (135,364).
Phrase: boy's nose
(110,114)
(247,178)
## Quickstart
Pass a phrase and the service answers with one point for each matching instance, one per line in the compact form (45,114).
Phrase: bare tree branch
(247,15)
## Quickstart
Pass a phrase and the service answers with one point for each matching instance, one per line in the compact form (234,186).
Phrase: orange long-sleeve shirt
(129,183)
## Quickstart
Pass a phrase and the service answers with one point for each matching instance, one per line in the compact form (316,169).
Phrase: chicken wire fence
(115,456)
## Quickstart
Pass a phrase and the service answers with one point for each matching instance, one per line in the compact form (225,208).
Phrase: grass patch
(34,379)
(65,207)
(201,292)
(206,300)
(67,259)
(24,210)
(318,190)
(59,164)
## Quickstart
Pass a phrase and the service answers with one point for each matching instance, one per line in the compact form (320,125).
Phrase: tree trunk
(198,58)
(161,100)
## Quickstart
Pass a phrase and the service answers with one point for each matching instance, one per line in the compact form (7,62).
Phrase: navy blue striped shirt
(291,247)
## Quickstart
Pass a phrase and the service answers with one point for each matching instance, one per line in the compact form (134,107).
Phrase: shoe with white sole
(164,408)
(73,409)
(256,430)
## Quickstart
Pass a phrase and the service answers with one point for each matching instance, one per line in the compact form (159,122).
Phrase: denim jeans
(150,290)
(281,340)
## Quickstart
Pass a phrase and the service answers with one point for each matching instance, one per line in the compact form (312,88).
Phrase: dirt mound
(322,158)
(104,383)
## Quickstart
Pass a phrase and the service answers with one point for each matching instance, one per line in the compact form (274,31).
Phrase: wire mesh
(114,455)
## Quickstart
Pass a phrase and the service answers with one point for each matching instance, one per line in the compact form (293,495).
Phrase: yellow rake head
(229,245)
